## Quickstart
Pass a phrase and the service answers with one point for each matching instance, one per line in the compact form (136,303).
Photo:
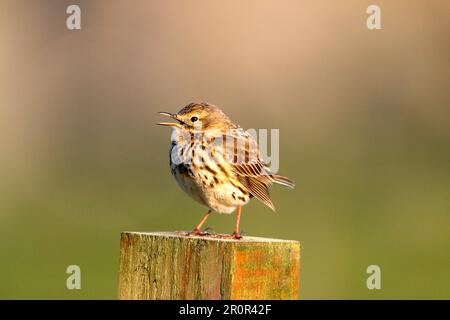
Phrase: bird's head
(198,117)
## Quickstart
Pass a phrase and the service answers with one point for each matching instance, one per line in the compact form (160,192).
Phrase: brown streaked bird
(217,163)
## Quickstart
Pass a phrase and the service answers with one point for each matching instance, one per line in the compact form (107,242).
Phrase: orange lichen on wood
(266,273)
(171,266)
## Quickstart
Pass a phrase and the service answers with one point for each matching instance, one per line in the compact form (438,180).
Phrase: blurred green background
(364,119)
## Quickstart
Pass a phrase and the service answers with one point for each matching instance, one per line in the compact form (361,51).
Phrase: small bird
(217,163)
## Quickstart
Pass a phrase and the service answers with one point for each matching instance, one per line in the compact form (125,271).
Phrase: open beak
(170,124)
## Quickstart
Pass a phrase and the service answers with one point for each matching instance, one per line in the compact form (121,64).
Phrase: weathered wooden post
(165,265)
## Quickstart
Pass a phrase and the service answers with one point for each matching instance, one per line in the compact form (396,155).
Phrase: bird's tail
(282,180)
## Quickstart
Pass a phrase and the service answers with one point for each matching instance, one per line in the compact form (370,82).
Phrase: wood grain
(164,265)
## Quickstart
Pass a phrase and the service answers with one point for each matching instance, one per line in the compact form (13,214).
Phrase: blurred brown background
(364,119)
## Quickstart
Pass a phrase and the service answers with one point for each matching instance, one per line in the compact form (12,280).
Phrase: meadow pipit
(217,163)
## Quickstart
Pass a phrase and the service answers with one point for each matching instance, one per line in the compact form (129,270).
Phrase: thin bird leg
(236,234)
(196,231)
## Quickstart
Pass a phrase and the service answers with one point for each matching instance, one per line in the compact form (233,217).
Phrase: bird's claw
(236,236)
(200,233)
(193,233)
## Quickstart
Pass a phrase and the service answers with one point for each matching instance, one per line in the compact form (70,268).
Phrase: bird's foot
(236,236)
(208,232)
(195,232)
(199,233)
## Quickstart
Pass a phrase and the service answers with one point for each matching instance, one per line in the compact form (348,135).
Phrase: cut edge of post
(174,234)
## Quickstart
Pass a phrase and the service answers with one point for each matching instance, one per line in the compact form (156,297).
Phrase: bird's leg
(197,231)
(236,234)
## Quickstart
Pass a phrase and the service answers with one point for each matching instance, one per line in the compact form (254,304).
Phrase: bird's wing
(242,154)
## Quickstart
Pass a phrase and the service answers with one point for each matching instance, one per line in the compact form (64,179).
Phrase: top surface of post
(245,239)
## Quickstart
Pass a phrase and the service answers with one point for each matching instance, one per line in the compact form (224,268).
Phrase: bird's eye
(193,119)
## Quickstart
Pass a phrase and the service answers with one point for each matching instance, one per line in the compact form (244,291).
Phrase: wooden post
(164,265)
